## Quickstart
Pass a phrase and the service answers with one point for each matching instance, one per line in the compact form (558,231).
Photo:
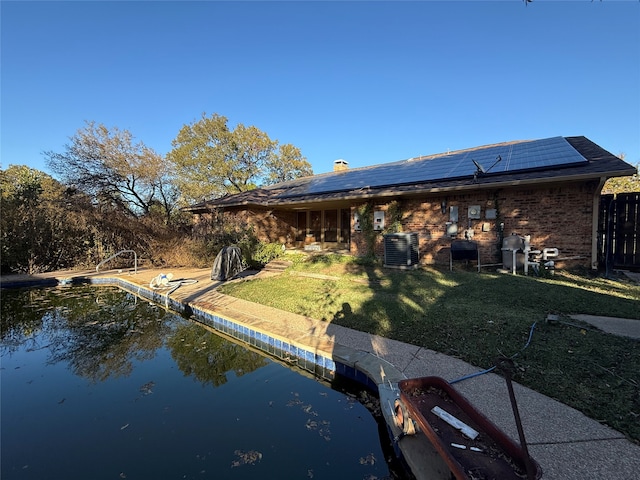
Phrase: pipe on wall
(594,223)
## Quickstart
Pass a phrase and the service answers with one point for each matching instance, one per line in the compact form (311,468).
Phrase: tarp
(227,264)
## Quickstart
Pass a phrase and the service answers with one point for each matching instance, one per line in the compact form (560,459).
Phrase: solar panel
(550,152)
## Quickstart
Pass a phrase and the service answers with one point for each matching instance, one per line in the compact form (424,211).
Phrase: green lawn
(478,317)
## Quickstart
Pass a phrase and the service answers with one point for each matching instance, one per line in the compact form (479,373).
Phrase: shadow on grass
(479,317)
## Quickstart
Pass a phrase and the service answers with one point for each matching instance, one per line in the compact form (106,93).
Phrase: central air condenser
(401,250)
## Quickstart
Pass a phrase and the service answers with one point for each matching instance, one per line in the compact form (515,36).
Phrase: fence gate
(619,231)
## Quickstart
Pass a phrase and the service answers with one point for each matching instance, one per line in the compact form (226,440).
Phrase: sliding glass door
(329,228)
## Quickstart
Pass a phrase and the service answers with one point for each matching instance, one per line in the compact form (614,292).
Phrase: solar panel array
(550,152)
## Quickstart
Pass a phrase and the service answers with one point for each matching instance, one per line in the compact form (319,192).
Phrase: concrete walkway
(567,444)
(623,327)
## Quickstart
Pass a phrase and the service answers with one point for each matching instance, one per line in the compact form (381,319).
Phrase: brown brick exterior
(269,225)
(558,215)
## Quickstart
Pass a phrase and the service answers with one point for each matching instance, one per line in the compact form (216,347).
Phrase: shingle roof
(520,162)
(256,196)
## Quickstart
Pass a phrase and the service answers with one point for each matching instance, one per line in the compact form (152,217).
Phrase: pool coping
(567,444)
(306,345)
(324,359)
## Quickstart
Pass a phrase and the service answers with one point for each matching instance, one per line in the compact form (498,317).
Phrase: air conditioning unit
(401,250)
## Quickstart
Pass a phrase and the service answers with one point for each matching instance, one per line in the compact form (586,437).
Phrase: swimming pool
(99,384)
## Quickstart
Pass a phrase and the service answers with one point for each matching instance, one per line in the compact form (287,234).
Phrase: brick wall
(560,216)
(557,216)
(270,226)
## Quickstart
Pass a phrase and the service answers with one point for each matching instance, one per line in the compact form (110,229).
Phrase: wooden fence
(619,231)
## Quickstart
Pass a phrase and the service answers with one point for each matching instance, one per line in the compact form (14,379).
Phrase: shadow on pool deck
(567,444)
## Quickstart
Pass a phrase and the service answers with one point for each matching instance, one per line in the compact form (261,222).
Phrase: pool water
(97,384)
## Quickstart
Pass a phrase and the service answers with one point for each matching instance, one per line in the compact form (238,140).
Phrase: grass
(478,317)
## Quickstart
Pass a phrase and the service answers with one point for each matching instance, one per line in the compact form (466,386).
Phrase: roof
(490,166)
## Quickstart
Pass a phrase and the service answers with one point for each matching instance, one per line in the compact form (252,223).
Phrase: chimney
(340,165)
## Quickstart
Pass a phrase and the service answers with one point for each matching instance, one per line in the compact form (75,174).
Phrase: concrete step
(277,266)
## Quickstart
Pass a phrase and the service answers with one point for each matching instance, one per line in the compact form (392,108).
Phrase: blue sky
(368,82)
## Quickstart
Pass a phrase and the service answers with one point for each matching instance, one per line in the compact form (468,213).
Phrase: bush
(265,252)
(182,252)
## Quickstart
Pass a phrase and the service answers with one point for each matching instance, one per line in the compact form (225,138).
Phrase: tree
(629,184)
(287,165)
(46,225)
(40,229)
(167,194)
(110,167)
(211,160)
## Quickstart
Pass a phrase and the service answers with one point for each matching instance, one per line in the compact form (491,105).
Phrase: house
(548,189)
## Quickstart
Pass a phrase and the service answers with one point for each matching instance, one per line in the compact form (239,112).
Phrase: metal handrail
(135,260)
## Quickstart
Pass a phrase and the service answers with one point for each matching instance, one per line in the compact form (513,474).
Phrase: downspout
(594,223)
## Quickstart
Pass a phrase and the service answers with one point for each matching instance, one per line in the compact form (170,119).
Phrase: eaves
(461,185)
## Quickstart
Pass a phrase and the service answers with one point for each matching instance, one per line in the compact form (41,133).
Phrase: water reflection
(99,337)
(209,357)
(98,384)
(107,331)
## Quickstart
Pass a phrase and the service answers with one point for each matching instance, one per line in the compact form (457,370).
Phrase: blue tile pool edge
(288,351)
(360,366)
(348,365)
(40,282)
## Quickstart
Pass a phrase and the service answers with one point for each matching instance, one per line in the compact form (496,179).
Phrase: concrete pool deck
(567,444)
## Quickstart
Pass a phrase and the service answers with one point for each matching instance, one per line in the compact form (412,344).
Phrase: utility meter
(474,211)
(378,220)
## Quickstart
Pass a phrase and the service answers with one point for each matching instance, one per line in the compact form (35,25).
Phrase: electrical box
(490,214)
(452,229)
(356,222)
(378,220)
(474,212)
(453,214)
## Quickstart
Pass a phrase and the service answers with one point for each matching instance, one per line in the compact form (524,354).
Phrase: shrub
(265,252)
(182,252)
